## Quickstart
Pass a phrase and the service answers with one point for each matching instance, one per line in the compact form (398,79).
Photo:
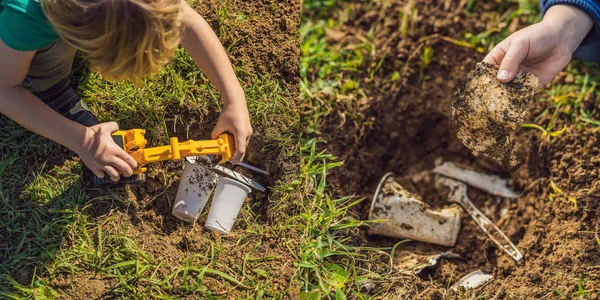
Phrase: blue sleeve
(591,7)
(23,32)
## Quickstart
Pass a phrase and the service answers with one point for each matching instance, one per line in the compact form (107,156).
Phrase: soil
(269,41)
(84,286)
(489,113)
(408,125)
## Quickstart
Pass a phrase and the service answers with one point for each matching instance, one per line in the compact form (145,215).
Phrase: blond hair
(123,39)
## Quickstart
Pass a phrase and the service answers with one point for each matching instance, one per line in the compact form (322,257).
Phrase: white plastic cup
(226,204)
(195,187)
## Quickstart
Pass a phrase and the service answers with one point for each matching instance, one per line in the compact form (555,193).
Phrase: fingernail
(503,75)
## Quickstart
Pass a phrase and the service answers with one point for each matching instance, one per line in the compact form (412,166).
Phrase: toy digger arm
(133,142)
(222,146)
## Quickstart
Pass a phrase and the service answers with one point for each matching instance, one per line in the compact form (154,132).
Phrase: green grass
(330,265)
(325,228)
(328,71)
(572,101)
(58,232)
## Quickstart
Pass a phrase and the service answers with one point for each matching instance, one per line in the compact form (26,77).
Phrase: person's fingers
(543,78)
(120,164)
(495,56)
(236,158)
(112,172)
(219,129)
(127,159)
(98,172)
(516,53)
(241,141)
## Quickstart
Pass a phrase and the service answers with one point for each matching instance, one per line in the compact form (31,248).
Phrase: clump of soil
(489,113)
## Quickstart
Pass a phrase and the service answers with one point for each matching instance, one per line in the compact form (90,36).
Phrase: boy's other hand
(543,49)
(102,156)
(235,119)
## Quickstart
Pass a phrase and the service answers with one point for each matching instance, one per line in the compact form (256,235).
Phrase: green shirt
(23,25)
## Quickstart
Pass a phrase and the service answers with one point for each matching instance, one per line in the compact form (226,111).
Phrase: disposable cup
(404,215)
(226,204)
(195,187)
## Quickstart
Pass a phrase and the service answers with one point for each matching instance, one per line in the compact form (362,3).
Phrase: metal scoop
(458,194)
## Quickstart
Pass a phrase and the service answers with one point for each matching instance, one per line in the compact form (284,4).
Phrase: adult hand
(543,49)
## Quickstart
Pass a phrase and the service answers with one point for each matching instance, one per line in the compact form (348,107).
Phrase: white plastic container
(195,187)
(406,216)
(226,204)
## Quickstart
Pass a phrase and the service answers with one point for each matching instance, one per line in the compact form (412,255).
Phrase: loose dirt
(489,113)
(408,124)
(268,39)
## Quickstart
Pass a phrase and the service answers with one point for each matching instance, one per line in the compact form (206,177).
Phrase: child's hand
(543,49)
(235,119)
(100,153)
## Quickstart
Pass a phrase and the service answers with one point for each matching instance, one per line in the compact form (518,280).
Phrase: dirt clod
(489,113)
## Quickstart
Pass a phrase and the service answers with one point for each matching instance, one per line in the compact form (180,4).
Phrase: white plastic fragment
(488,183)
(472,280)
(232,175)
(434,259)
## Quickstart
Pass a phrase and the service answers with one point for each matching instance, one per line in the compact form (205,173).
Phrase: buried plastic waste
(488,183)
(227,202)
(195,188)
(404,215)
(458,194)
(472,280)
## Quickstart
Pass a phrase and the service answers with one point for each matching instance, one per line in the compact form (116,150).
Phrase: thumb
(517,51)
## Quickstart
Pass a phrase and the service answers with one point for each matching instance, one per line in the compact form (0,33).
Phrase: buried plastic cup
(404,215)
(195,187)
(226,204)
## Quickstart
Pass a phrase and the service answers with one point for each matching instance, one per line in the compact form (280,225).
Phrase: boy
(124,39)
(545,48)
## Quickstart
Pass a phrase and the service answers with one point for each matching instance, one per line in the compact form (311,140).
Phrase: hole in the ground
(412,131)
(421,134)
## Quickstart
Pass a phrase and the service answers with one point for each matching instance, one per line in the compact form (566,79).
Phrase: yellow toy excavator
(134,143)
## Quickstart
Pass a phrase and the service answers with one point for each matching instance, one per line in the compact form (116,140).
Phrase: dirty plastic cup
(405,216)
(226,204)
(195,187)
